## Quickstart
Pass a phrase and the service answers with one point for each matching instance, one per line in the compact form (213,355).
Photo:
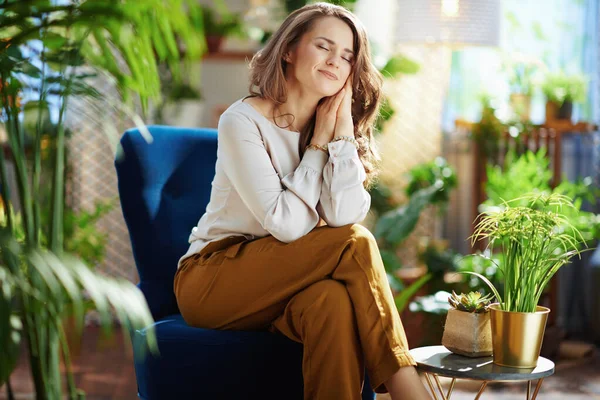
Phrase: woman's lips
(329,75)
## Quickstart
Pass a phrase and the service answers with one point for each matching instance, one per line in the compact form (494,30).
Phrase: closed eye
(326,49)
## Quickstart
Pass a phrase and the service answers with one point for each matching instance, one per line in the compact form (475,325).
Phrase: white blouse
(261,187)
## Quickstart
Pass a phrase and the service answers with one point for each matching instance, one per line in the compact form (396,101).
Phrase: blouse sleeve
(285,207)
(344,199)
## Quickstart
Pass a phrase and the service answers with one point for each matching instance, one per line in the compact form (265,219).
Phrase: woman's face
(322,60)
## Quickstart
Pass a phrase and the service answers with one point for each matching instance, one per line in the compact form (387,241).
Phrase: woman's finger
(338,100)
(346,104)
(349,82)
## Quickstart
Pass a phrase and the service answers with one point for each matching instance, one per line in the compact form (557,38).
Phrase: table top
(441,361)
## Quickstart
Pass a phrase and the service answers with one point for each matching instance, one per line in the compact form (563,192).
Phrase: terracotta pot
(468,334)
(555,112)
(214,43)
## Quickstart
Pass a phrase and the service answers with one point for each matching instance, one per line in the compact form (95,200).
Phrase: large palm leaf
(50,50)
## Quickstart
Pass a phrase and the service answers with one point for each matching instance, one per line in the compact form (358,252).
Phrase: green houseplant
(429,184)
(218,24)
(49,52)
(488,131)
(531,173)
(522,74)
(467,330)
(561,92)
(536,239)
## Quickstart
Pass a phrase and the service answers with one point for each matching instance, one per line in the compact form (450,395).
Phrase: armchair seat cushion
(196,363)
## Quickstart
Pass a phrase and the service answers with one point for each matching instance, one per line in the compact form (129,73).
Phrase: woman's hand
(325,124)
(344,125)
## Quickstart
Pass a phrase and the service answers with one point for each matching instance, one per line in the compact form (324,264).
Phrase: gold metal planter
(517,337)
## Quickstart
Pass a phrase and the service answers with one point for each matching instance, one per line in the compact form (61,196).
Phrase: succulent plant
(472,302)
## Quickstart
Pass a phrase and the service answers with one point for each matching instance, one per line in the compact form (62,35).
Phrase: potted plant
(488,131)
(218,24)
(49,54)
(429,186)
(535,239)
(561,92)
(522,72)
(467,331)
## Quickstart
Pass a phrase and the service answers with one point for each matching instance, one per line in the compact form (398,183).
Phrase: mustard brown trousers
(327,290)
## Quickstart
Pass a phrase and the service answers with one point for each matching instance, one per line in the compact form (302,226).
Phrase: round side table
(438,361)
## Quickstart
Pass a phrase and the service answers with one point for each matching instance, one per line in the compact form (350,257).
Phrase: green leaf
(395,283)
(10,326)
(53,40)
(404,297)
(386,112)
(487,282)
(28,69)
(399,64)
(398,224)
(390,260)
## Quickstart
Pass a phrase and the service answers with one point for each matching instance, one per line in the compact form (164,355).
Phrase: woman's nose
(333,61)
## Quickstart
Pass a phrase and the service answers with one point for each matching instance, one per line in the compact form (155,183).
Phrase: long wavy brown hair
(267,77)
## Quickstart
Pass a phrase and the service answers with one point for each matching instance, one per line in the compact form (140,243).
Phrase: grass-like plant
(536,240)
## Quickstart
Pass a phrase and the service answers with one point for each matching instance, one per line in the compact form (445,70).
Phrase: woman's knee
(357,232)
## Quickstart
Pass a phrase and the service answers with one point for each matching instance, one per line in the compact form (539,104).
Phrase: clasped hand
(334,116)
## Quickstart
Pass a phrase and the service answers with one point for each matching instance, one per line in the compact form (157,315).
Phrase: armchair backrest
(164,187)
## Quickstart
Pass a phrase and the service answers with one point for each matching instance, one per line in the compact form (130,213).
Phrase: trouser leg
(321,317)
(248,286)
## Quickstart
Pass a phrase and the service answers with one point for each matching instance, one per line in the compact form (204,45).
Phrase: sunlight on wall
(413,135)
(425,31)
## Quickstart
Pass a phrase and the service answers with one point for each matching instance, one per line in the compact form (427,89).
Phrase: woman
(279,246)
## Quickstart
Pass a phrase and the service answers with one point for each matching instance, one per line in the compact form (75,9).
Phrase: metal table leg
(440,390)
(433,393)
(451,388)
(537,388)
(445,396)
(481,389)
(439,385)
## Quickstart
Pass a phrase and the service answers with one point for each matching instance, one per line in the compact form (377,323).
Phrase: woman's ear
(286,57)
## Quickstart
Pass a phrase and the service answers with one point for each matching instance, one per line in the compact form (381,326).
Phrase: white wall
(222,82)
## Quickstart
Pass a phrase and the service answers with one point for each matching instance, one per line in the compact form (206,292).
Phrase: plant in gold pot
(536,239)
(467,331)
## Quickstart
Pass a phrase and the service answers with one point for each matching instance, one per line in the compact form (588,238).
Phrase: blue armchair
(164,187)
